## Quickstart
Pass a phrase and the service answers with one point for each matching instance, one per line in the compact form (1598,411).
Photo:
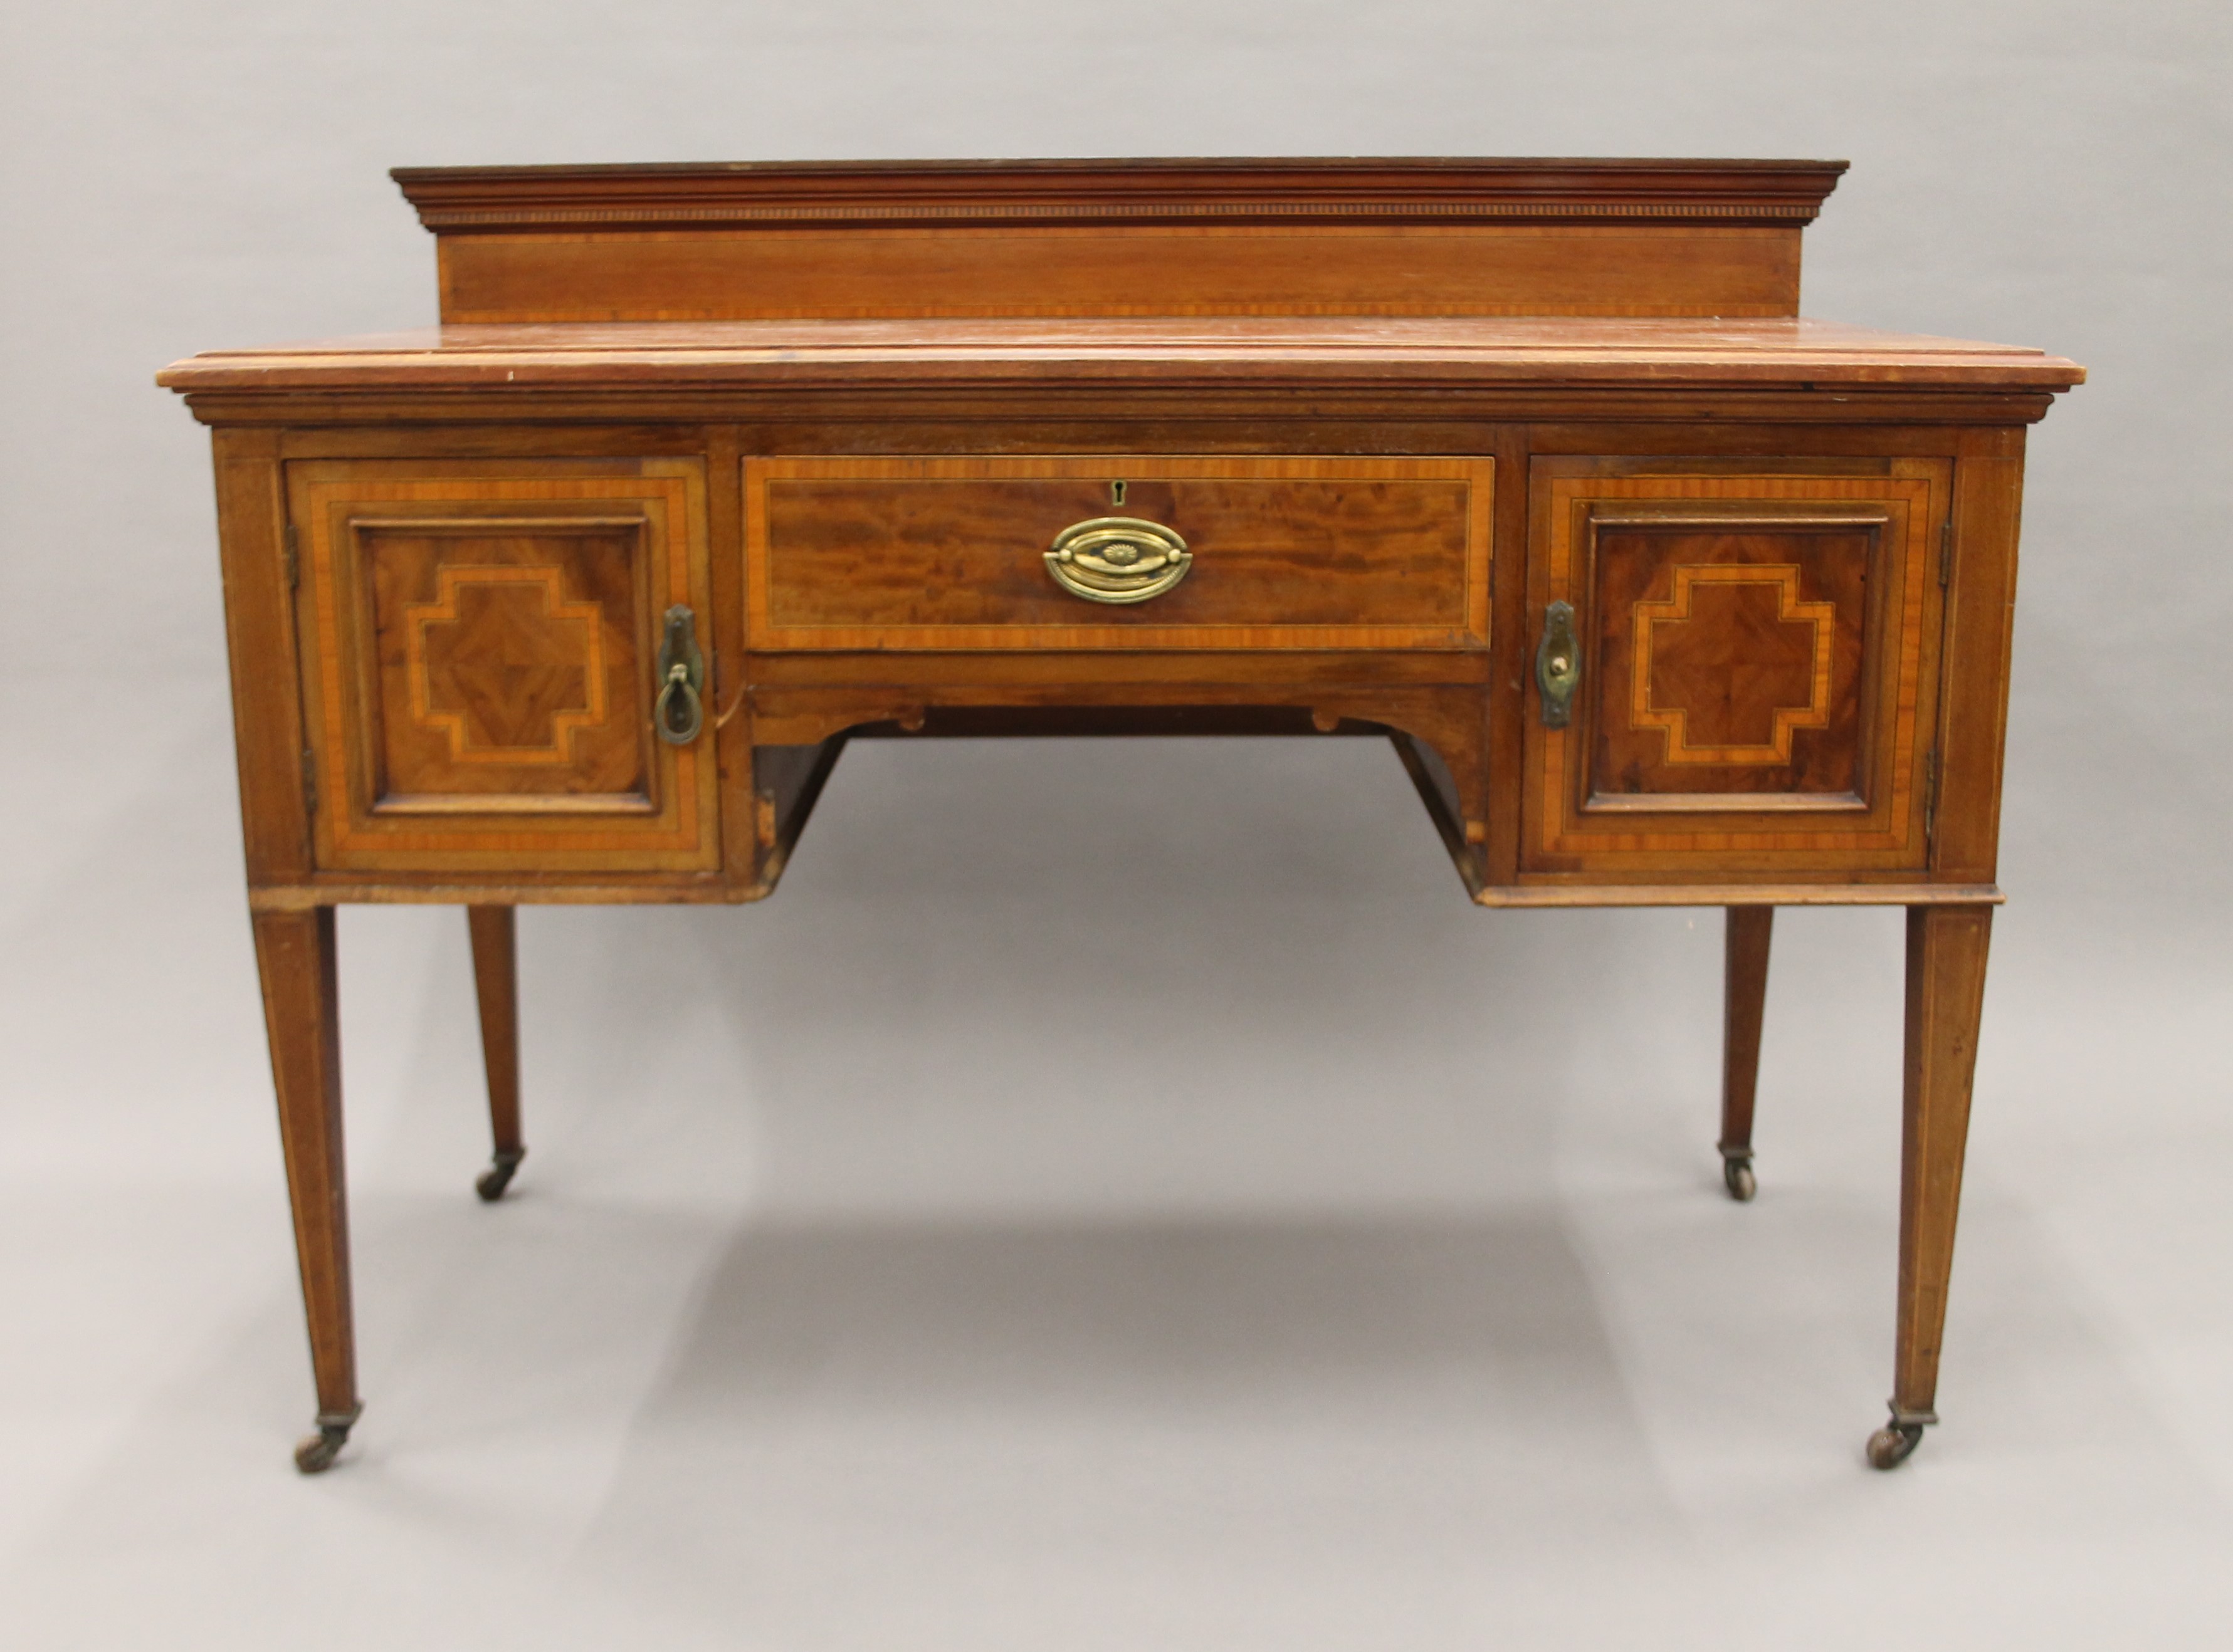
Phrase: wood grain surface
(1395,408)
(1140,189)
(298,966)
(1167,238)
(1842,635)
(484,638)
(1946,949)
(950,553)
(1730,656)
(1385,352)
(1746,934)
(493,934)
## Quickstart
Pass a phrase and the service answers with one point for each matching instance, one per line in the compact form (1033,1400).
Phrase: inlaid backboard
(1320,236)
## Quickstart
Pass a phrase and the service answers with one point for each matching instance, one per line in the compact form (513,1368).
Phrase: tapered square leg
(1946,948)
(1744,1000)
(496,984)
(295,957)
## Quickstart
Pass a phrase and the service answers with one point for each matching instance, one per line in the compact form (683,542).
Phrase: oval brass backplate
(1118,559)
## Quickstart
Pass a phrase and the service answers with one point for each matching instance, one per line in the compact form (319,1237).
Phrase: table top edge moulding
(1664,593)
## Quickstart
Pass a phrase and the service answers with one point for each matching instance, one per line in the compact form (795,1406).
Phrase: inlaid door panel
(480,644)
(1758,656)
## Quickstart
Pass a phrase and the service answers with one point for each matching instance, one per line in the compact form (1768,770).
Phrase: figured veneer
(1732,664)
(502,663)
(1760,665)
(1198,369)
(1171,237)
(1724,668)
(1395,409)
(949,553)
(483,641)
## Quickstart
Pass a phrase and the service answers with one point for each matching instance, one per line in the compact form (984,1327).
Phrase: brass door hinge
(290,555)
(309,783)
(1946,552)
(1931,795)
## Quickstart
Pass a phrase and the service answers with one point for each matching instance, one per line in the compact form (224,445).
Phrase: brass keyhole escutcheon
(1115,493)
(1118,559)
(1558,665)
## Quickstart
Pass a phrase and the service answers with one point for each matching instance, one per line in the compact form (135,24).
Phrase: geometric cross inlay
(504,665)
(1732,663)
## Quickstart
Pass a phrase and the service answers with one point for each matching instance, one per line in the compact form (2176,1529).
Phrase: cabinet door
(480,642)
(1758,650)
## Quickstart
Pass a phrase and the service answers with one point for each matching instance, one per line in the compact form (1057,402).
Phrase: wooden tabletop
(1672,352)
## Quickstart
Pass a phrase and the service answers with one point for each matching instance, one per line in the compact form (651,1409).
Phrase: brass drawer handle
(680,711)
(1118,559)
(1558,664)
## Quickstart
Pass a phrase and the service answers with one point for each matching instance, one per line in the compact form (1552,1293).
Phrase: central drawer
(1118,551)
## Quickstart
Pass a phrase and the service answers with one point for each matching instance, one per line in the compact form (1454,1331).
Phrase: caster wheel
(1737,1177)
(1893,1444)
(492,1182)
(316,1454)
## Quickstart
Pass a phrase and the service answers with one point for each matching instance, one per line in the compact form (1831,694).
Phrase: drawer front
(480,644)
(1757,649)
(953,553)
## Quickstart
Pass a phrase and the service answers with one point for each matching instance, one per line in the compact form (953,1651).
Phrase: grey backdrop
(870,1285)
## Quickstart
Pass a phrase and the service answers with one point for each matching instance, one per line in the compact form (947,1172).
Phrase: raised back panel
(757,242)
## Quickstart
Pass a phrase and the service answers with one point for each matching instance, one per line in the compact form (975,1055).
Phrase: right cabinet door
(1733,666)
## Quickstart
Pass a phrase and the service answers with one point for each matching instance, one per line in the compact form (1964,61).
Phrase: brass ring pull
(683,729)
(1118,559)
(679,713)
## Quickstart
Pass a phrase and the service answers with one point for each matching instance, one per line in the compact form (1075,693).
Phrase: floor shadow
(1176,1313)
(973,1433)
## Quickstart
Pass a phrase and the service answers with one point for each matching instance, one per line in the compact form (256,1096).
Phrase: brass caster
(1894,1443)
(316,1454)
(1736,1175)
(492,1182)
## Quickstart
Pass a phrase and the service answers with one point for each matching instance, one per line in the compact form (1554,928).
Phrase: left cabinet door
(480,644)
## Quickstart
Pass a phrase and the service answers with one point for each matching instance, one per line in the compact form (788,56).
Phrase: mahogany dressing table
(1665,596)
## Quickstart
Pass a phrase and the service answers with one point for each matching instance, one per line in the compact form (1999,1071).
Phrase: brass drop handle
(1118,559)
(679,713)
(1558,665)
